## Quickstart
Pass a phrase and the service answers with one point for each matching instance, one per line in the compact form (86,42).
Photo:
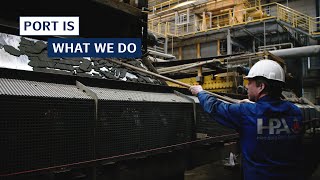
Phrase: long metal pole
(228,99)
(184,67)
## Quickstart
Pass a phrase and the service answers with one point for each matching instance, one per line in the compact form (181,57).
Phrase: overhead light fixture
(183,4)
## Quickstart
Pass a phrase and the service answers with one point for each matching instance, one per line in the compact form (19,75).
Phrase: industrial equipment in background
(158,48)
(204,30)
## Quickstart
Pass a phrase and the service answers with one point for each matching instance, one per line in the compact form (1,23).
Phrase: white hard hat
(268,69)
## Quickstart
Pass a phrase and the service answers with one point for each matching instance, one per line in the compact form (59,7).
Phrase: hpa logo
(277,126)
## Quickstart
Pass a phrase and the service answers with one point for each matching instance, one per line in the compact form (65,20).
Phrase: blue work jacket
(270,133)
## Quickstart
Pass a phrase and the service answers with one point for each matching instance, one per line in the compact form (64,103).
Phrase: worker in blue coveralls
(269,128)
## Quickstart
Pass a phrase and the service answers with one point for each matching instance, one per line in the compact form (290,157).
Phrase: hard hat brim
(252,77)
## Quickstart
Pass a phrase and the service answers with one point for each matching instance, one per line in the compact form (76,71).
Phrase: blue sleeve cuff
(201,93)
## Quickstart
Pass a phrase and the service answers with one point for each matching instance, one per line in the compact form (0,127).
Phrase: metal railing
(292,17)
(298,19)
(167,5)
(254,3)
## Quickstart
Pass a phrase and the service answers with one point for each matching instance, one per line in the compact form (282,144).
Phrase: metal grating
(44,132)
(126,127)
(127,95)
(205,124)
(40,89)
(308,112)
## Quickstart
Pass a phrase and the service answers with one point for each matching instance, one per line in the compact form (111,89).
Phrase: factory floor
(216,171)
(213,171)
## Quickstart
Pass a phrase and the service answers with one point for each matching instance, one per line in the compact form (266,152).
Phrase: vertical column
(318,19)
(210,20)
(264,35)
(198,50)
(204,21)
(199,78)
(165,46)
(218,47)
(230,18)
(180,53)
(229,45)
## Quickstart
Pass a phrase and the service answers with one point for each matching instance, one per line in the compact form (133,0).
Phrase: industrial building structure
(207,30)
(92,118)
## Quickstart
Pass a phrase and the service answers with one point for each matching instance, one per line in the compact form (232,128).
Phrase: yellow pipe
(199,56)
(198,50)
(204,22)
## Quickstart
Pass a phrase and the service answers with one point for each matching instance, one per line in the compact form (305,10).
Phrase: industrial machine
(67,116)
(88,118)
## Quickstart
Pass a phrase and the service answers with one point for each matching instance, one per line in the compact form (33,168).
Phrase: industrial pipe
(185,66)
(305,51)
(161,54)
(153,59)
(228,99)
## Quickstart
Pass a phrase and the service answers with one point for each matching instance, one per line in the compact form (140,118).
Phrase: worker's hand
(195,89)
(245,101)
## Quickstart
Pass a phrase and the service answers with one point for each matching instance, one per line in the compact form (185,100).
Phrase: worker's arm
(224,113)
(245,101)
